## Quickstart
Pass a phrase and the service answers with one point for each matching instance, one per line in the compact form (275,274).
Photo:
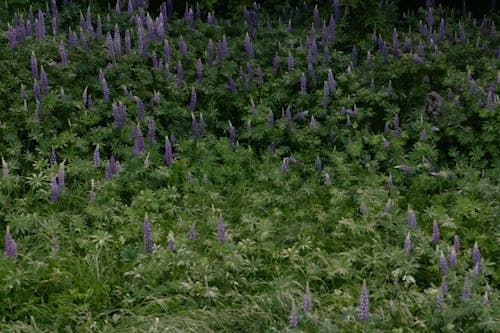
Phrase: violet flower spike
(34,66)
(407,245)
(232,136)
(221,230)
(443,264)
(364,304)
(293,319)
(476,257)
(308,304)
(452,258)
(151,130)
(148,240)
(435,233)
(456,243)
(5,168)
(411,219)
(303,84)
(192,233)
(466,288)
(405,168)
(54,190)
(10,245)
(169,157)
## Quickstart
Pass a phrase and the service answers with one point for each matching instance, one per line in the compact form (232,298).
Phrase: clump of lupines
(364,304)
(148,240)
(10,245)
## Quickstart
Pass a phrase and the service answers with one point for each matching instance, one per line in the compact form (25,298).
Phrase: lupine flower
(490,98)
(387,208)
(210,51)
(192,233)
(105,90)
(221,230)
(244,79)
(456,243)
(303,84)
(364,304)
(138,141)
(171,244)
(192,103)
(231,86)
(232,136)
(44,82)
(148,240)
(362,209)
(314,51)
(294,320)
(52,157)
(389,89)
(291,62)
(407,245)
(54,190)
(476,257)
(453,258)
(169,157)
(195,127)
(5,168)
(179,75)
(312,124)
(285,165)
(272,150)
(328,180)
(40,26)
(318,164)
(10,245)
(202,126)
(308,304)
(311,71)
(405,168)
(61,177)
(151,130)
(466,288)
(248,46)
(199,71)
(260,76)
(183,48)
(92,194)
(435,233)
(440,300)
(331,81)
(443,264)
(326,93)
(34,66)
(354,56)
(97,157)
(411,219)
(12,36)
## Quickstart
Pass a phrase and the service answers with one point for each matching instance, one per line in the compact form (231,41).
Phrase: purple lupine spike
(108,173)
(440,300)
(395,44)
(452,258)
(183,48)
(192,103)
(308,304)
(388,207)
(105,90)
(5,168)
(443,264)
(317,22)
(435,233)
(61,177)
(300,115)
(36,90)
(473,87)
(466,288)
(189,177)
(318,165)
(221,230)
(248,46)
(293,318)
(411,218)
(476,257)
(285,164)
(154,59)
(390,184)
(166,51)
(97,157)
(54,190)
(354,56)
(151,130)
(171,244)
(491,97)
(303,84)
(328,180)
(290,62)
(199,71)
(244,79)
(444,284)
(407,46)
(210,53)
(44,82)
(63,54)
(407,245)
(364,304)
(192,233)
(52,157)
(250,71)
(179,75)
(12,37)
(314,52)
(169,156)
(128,43)
(312,73)
(40,26)
(34,66)
(231,86)
(362,209)
(148,240)
(463,38)
(98,28)
(10,245)
(326,93)
(312,124)
(331,81)
(232,136)
(140,108)
(195,127)
(272,150)
(109,44)
(276,63)
(369,58)
(288,118)
(254,108)
(138,141)
(54,26)
(117,44)
(270,119)
(389,89)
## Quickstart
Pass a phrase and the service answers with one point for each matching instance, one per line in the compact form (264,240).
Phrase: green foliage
(289,223)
